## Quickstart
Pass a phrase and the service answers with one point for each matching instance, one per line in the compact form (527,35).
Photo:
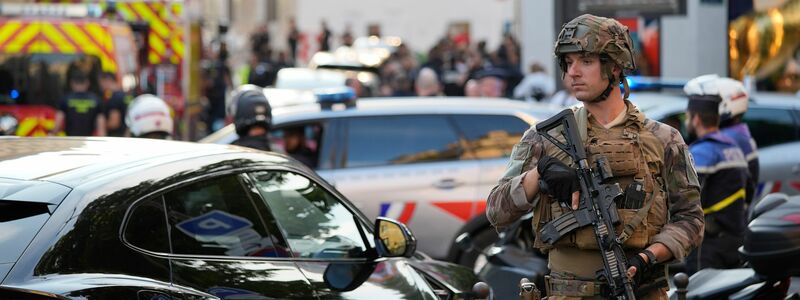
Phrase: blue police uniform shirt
(722,170)
(740,134)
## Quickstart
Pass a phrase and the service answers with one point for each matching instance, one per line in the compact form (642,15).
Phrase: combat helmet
(249,107)
(604,36)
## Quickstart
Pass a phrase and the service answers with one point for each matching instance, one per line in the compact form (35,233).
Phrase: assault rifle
(597,206)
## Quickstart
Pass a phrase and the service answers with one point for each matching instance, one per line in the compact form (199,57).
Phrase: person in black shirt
(218,81)
(325,38)
(116,103)
(293,39)
(80,113)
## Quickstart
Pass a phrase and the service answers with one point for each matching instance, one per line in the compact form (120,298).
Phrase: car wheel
(475,259)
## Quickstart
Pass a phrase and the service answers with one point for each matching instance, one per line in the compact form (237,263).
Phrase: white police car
(428,162)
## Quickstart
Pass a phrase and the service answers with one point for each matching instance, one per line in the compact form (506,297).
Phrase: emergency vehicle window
(770,126)
(314,222)
(391,140)
(41,78)
(490,136)
(147,226)
(218,217)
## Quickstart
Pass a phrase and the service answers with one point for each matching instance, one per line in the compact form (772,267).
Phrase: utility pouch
(634,196)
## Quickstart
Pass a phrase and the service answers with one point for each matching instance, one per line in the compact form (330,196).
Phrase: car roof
(417,105)
(67,160)
(531,112)
(658,103)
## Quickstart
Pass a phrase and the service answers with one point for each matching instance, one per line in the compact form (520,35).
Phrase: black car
(116,218)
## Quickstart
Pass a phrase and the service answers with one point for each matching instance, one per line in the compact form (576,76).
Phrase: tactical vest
(634,154)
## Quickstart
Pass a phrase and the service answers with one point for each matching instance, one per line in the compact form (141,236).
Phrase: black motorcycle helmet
(249,107)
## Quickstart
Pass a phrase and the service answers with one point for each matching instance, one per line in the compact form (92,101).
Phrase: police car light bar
(54,10)
(327,97)
(641,83)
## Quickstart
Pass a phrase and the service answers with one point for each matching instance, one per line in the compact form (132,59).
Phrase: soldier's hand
(637,267)
(559,180)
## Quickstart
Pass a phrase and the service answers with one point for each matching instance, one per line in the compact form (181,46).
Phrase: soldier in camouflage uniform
(648,159)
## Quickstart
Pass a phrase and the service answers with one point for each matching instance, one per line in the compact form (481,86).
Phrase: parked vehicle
(117,218)
(771,246)
(428,162)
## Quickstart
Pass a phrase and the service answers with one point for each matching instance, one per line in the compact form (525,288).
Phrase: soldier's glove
(557,179)
(642,267)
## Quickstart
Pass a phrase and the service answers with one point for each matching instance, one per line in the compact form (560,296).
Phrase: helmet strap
(625,85)
(610,76)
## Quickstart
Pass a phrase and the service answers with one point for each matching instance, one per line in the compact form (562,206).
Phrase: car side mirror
(345,277)
(394,239)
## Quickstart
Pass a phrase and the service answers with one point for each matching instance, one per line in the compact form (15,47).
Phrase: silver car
(774,121)
(428,162)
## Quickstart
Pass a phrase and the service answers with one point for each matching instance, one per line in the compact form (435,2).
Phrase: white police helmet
(732,93)
(148,114)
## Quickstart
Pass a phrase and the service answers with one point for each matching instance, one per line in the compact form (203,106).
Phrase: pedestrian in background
(80,113)
(217,82)
(150,117)
(722,172)
(536,86)
(293,38)
(427,84)
(492,82)
(116,104)
(325,37)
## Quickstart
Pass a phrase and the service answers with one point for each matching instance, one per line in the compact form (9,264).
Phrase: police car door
(411,168)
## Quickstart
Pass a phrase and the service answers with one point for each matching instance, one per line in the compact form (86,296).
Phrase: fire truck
(141,42)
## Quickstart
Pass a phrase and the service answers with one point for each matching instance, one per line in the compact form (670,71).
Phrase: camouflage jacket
(684,225)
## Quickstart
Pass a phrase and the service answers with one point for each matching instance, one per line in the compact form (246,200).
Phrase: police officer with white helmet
(149,117)
(733,105)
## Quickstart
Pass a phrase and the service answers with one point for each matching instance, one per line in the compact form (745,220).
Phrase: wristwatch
(651,257)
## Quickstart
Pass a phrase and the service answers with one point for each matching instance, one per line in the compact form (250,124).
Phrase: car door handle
(447,184)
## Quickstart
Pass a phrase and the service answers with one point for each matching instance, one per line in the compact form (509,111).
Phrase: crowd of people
(454,66)
(98,107)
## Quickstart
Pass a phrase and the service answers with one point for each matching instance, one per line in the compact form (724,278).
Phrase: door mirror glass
(394,239)
(345,277)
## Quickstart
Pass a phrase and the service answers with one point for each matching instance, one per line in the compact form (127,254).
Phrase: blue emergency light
(644,83)
(327,97)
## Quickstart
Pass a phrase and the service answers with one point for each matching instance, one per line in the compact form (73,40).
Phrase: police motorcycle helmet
(598,35)
(148,114)
(249,107)
(733,95)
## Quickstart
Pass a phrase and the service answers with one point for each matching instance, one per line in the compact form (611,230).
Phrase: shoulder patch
(663,132)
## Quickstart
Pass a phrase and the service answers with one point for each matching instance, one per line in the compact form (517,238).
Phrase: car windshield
(19,223)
